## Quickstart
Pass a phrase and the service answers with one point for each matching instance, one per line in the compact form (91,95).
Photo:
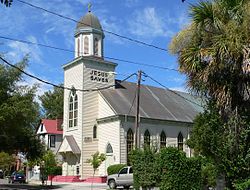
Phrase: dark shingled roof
(89,20)
(155,103)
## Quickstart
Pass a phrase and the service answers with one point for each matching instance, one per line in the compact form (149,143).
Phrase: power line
(107,31)
(62,87)
(72,51)
(172,90)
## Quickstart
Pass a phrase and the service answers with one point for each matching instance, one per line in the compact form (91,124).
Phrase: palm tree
(213,51)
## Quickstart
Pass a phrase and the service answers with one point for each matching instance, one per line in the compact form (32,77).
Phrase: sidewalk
(75,184)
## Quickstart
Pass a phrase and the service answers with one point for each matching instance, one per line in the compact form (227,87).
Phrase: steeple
(89,36)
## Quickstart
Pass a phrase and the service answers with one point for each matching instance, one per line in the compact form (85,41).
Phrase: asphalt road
(4,185)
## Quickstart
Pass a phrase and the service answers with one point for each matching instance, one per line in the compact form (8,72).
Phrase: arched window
(94,132)
(109,149)
(86,45)
(146,138)
(130,143)
(78,47)
(163,139)
(180,141)
(73,110)
(96,47)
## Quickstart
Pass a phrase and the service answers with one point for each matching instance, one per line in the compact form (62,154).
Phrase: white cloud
(179,88)
(147,23)
(19,50)
(131,3)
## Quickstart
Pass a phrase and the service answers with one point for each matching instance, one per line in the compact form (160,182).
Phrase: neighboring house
(104,120)
(50,133)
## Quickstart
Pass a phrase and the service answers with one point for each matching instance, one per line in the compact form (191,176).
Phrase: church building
(103,120)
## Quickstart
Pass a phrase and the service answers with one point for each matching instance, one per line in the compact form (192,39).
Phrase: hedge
(114,169)
(168,169)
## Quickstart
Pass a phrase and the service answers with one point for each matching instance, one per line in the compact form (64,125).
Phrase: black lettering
(95,72)
(106,80)
(91,78)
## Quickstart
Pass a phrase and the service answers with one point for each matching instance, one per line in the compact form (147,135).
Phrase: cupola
(89,36)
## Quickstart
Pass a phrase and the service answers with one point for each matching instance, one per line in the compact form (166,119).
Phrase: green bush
(168,169)
(57,170)
(178,171)
(242,185)
(114,169)
(145,168)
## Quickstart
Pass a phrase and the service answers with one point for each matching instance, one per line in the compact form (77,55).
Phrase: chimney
(59,122)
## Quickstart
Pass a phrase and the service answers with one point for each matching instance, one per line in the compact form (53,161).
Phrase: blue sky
(154,22)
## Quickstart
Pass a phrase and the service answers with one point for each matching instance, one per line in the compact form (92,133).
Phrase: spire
(89,7)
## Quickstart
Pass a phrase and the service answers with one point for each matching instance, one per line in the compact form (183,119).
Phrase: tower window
(86,45)
(147,138)
(96,46)
(163,140)
(73,110)
(78,47)
(109,149)
(180,141)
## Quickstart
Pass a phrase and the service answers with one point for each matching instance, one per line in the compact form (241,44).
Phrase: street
(58,186)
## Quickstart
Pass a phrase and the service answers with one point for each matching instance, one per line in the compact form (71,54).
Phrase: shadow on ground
(29,186)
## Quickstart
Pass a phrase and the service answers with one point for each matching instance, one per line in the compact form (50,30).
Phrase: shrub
(178,171)
(114,169)
(242,185)
(145,168)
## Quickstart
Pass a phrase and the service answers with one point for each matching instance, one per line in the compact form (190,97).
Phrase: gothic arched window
(146,138)
(86,45)
(94,132)
(163,140)
(96,49)
(180,141)
(109,149)
(130,142)
(73,110)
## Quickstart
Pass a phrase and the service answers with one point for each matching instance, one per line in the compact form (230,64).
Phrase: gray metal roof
(155,103)
(89,20)
(73,145)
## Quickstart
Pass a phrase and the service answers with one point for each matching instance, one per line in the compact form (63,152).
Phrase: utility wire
(132,103)
(172,90)
(72,51)
(62,87)
(107,31)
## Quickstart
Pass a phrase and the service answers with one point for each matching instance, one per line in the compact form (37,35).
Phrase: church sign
(99,76)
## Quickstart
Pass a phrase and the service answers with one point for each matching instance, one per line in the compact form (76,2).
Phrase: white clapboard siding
(109,133)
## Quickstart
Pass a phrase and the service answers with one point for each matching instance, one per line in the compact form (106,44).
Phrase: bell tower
(89,36)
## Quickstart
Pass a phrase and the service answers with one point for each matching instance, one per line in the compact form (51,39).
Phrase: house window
(73,110)
(130,143)
(52,141)
(163,140)
(94,132)
(180,141)
(109,149)
(96,46)
(146,138)
(86,45)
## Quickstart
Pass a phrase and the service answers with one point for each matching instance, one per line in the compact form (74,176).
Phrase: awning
(69,145)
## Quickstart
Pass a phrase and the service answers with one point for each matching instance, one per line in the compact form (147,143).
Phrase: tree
(51,164)
(19,113)
(214,53)
(52,103)
(6,161)
(95,162)
(7,3)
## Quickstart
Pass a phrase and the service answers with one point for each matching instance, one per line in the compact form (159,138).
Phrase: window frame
(163,140)
(73,110)
(130,142)
(180,143)
(147,138)
(52,141)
